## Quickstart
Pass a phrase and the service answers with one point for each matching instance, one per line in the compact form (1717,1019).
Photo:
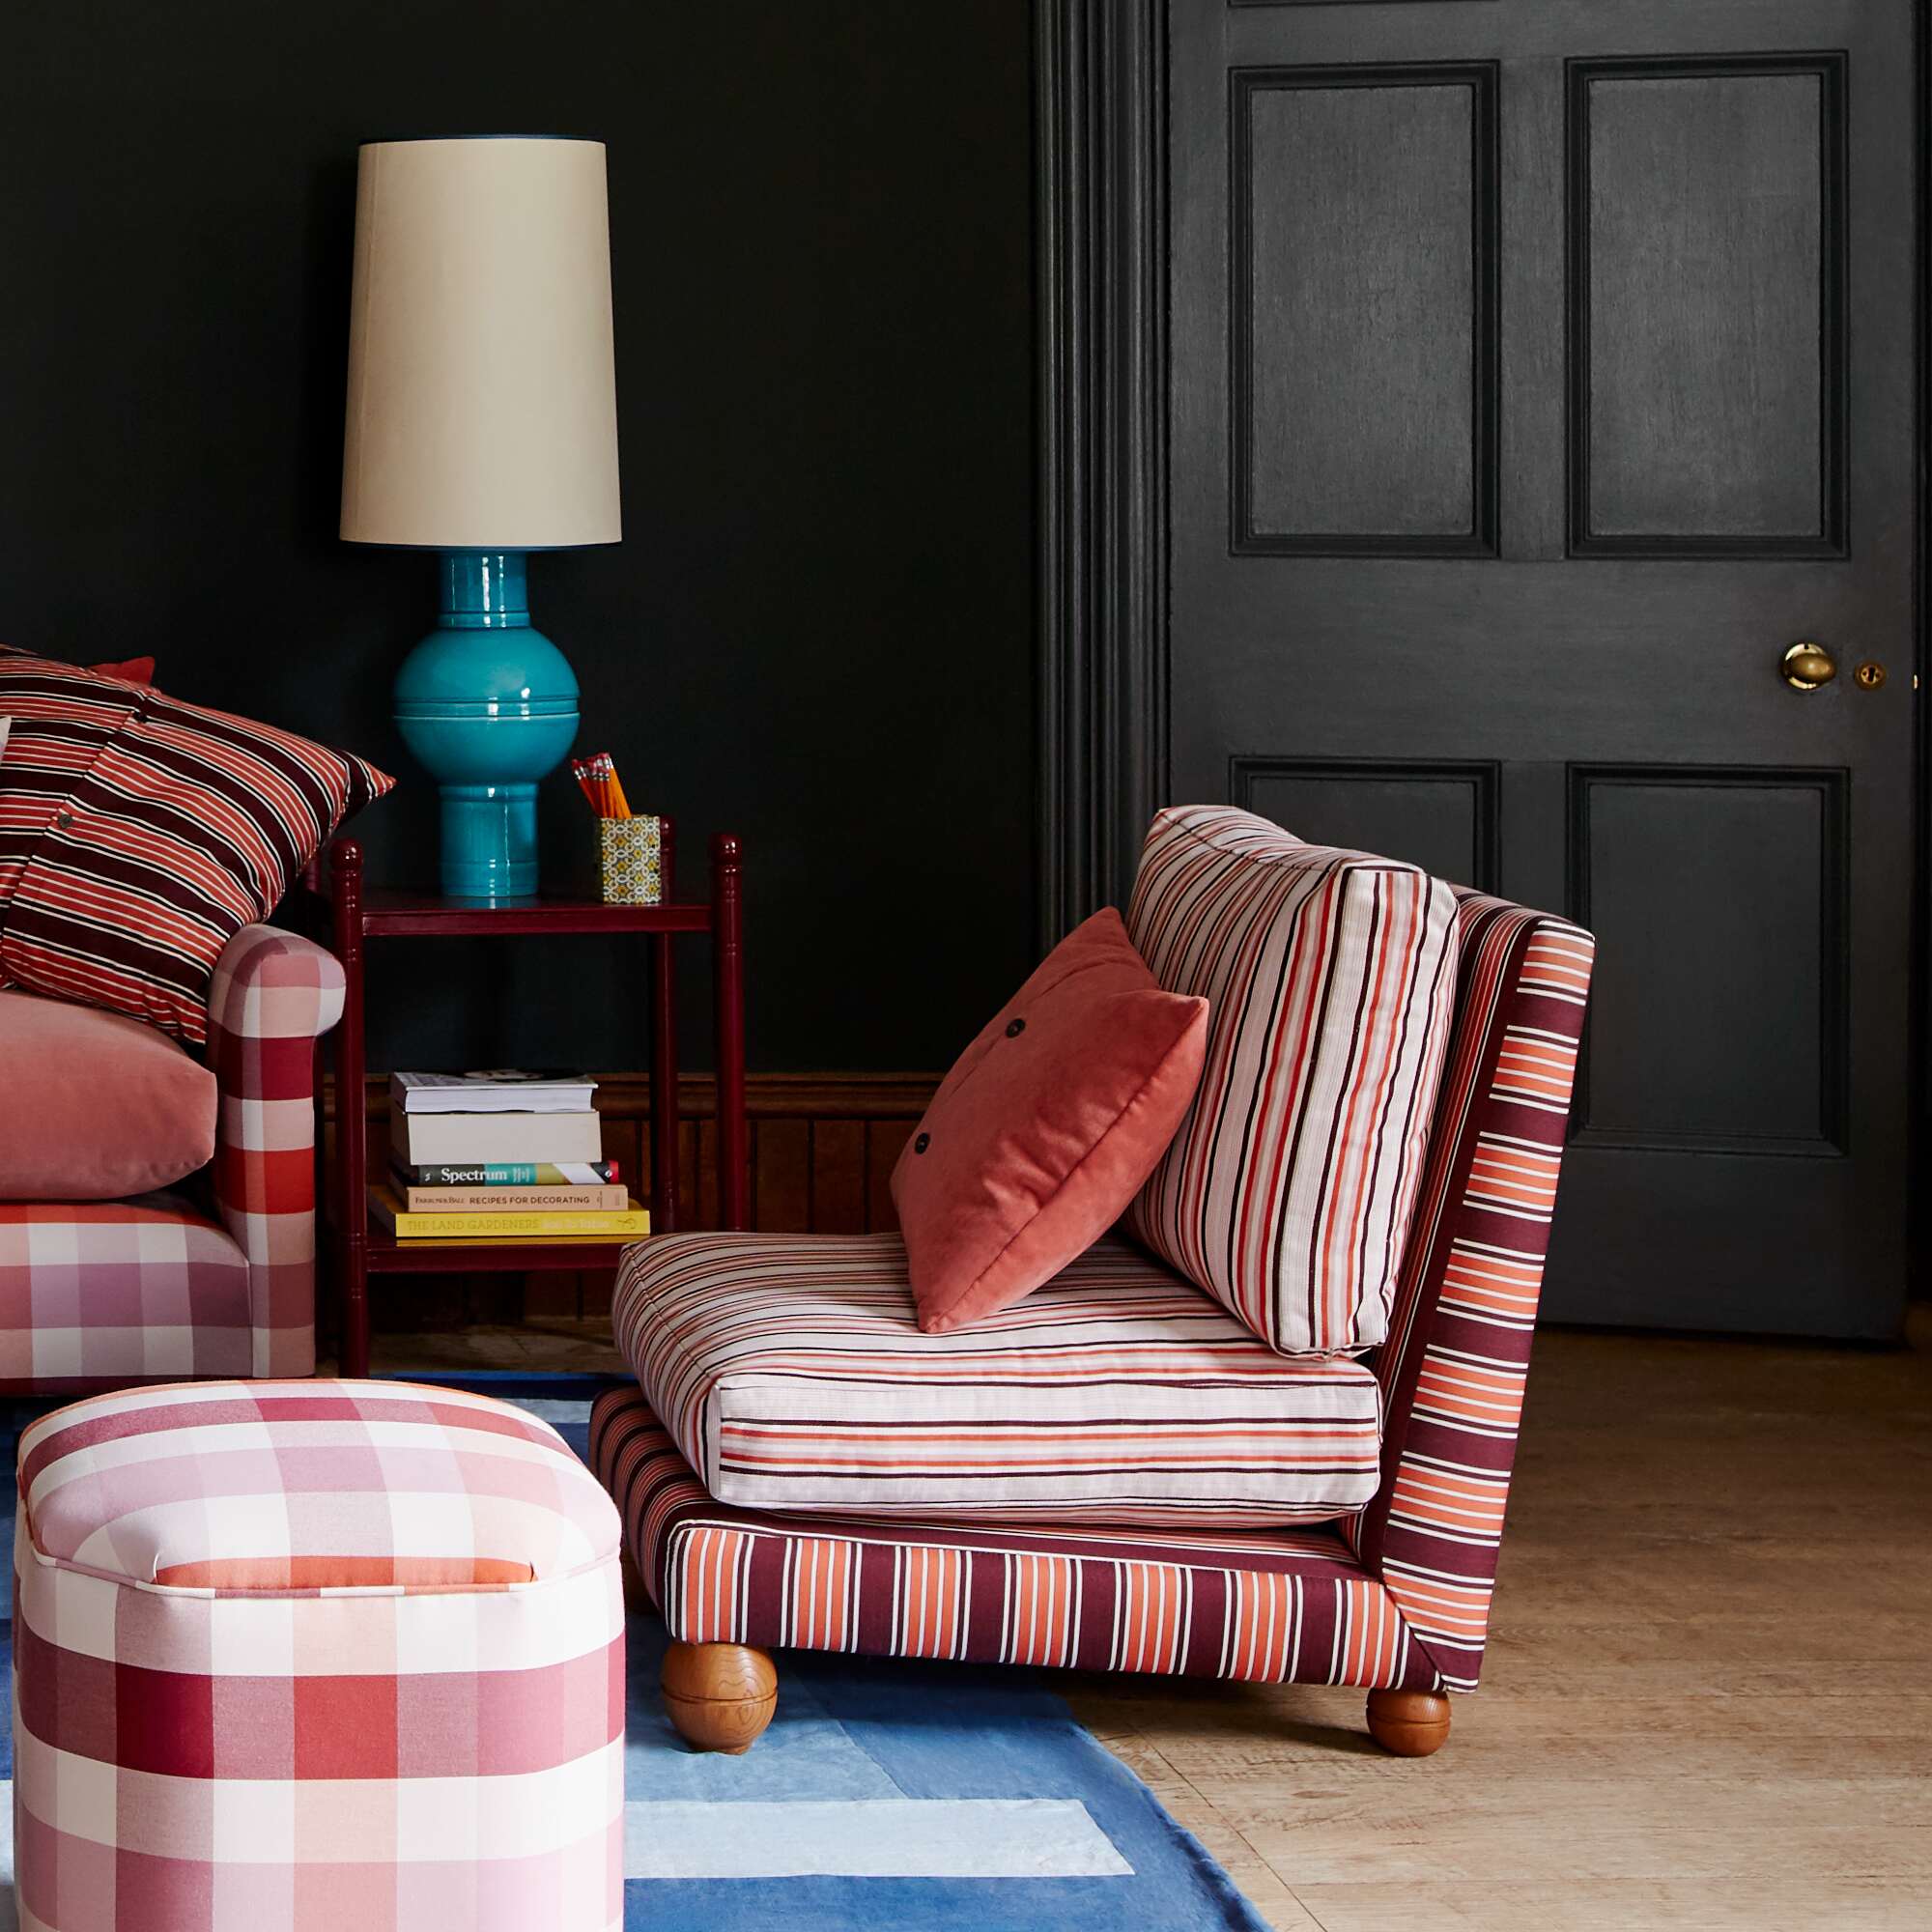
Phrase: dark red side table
(351,914)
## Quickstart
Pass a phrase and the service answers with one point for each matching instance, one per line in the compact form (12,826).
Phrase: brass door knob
(1804,667)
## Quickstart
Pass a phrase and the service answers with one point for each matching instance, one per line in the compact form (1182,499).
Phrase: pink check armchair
(215,1278)
(1393,1598)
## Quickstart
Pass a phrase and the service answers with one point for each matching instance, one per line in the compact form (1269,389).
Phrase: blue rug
(884,1794)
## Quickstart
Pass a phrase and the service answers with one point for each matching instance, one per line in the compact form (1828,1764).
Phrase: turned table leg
(720,1695)
(1409,1723)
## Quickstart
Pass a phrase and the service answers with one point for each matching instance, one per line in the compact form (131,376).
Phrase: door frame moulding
(1100,276)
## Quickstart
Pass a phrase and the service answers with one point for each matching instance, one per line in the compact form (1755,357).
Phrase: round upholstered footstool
(314,1653)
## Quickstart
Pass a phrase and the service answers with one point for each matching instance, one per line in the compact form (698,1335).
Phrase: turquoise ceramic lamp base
(489,706)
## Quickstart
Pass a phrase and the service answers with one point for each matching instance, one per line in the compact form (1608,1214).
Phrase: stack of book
(502,1156)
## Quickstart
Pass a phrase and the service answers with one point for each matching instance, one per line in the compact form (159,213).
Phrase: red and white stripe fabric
(1259,1607)
(138,834)
(1330,976)
(295,1654)
(98,1294)
(1455,1365)
(794,1376)
(1399,1595)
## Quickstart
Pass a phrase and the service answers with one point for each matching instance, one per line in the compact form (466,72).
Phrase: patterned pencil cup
(631,860)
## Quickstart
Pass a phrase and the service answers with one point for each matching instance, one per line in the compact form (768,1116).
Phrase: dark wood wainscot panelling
(823,1146)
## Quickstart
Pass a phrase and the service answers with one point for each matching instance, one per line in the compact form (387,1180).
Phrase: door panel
(1539,370)
(1362,305)
(1441,816)
(1707,245)
(1727,872)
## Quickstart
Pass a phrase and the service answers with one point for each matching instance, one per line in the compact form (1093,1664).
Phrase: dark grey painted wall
(817,629)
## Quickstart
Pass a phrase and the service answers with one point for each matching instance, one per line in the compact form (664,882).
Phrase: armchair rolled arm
(273,995)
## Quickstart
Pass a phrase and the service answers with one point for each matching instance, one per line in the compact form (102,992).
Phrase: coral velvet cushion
(95,1107)
(1046,1126)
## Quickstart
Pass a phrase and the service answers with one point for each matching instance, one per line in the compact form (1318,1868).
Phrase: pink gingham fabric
(99,1293)
(295,1653)
(273,995)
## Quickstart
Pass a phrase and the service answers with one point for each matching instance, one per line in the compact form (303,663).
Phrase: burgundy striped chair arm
(273,995)
(1457,1357)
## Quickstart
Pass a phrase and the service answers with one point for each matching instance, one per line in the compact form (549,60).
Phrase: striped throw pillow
(138,834)
(1330,982)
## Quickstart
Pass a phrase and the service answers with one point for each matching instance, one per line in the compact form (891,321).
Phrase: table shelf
(353,913)
(400,915)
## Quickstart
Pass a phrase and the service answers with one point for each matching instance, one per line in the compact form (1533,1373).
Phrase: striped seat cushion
(1330,978)
(300,1486)
(793,1375)
(138,834)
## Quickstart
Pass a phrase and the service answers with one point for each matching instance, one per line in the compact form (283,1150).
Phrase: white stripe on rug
(876,1837)
(888,1838)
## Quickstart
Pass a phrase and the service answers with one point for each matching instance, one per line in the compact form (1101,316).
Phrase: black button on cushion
(921,1144)
(1015,1028)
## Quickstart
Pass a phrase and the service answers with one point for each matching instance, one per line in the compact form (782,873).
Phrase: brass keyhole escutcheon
(1869,675)
(1806,666)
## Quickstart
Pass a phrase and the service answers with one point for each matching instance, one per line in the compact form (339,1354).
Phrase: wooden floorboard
(1707,1705)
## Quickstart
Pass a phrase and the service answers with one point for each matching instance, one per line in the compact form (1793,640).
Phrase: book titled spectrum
(511,1174)
(388,1210)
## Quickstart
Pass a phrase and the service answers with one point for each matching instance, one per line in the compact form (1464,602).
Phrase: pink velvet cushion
(1046,1126)
(93,1106)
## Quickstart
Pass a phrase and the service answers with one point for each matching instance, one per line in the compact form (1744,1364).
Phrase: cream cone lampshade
(482,422)
(482,391)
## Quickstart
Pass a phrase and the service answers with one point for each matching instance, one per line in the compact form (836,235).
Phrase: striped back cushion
(1330,978)
(138,834)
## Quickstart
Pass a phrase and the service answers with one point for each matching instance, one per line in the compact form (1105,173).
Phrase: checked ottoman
(312,1654)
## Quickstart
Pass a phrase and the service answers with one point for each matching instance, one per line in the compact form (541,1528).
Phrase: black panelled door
(1542,371)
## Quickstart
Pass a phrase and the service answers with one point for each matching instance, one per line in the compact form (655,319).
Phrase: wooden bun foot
(720,1695)
(1409,1723)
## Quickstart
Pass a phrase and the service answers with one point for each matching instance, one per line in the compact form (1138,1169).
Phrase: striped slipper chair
(1110,1522)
